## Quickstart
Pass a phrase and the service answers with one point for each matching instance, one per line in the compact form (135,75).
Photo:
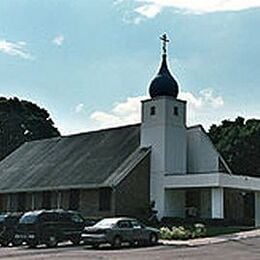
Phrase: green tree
(239,143)
(22,121)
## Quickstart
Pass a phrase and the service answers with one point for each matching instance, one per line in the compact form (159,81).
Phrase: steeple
(164,84)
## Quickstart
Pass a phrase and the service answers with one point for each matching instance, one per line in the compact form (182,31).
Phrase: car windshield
(2,218)
(28,219)
(106,223)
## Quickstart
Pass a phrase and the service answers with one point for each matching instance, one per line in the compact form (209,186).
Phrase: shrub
(183,233)
(165,233)
(199,230)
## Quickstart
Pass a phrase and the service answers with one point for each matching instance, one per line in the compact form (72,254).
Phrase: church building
(123,170)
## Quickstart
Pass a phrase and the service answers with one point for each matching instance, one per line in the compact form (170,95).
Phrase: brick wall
(132,195)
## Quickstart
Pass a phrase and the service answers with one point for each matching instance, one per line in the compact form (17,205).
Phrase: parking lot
(239,250)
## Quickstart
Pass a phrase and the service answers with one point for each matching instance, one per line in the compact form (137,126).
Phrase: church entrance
(188,203)
(192,202)
(198,203)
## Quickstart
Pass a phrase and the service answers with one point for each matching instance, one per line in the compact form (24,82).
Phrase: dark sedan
(115,231)
(8,225)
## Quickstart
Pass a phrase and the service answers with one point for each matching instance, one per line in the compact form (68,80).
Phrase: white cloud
(126,112)
(149,11)
(192,100)
(205,98)
(58,40)
(129,111)
(209,98)
(15,49)
(79,108)
(150,8)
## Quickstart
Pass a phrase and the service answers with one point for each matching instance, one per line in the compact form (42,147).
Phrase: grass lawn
(216,231)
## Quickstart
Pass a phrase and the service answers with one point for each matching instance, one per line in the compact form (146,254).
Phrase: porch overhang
(212,180)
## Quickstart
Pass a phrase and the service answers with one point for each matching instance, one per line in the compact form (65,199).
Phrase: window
(49,217)
(124,224)
(175,111)
(152,110)
(46,200)
(28,218)
(1,202)
(106,223)
(76,218)
(21,202)
(64,217)
(104,199)
(136,224)
(74,199)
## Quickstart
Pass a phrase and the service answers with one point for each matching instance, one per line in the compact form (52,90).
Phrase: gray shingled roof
(93,159)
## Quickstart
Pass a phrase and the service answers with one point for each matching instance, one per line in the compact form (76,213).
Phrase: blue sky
(89,63)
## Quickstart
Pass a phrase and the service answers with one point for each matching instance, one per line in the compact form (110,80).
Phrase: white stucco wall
(202,155)
(165,132)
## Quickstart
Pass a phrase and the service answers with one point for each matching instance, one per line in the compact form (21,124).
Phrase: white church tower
(188,176)
(163,129)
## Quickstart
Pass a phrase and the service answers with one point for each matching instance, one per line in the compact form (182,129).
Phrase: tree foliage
(239,143)
(22,121)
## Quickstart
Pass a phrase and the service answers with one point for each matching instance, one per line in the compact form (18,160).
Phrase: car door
(47,225)
(65,224)
(125,230)
(76,222)
(139,233)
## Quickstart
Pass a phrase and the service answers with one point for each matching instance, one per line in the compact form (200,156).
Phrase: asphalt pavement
(244,247)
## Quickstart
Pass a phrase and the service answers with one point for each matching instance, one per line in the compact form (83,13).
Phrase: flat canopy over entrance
(212,180)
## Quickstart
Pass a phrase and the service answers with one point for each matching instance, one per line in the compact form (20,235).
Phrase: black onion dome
(164,84)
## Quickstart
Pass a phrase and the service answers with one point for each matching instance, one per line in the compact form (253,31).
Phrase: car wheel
(153,239)
(117,242)
(32,244)
(75,240)
(17,242)
(52,241)
(4,243)
(133,243)
(95,246)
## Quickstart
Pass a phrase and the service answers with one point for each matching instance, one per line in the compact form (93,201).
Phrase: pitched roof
(92,159)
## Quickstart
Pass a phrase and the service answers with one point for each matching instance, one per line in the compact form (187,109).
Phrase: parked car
(50,227)
(8,225)
(116,231)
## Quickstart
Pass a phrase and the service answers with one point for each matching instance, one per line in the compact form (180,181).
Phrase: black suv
(50,227)
(8,225)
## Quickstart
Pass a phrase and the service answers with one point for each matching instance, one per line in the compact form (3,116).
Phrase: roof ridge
(102,130)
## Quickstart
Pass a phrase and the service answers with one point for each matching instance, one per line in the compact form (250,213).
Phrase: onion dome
(164,84)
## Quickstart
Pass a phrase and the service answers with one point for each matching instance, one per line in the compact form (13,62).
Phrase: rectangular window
(124,224)
(2,203)
(104,199)
(74,199)
(21,202)
(175,111)
(46,200)
(152,110)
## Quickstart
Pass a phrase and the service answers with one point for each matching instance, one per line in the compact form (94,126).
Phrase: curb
(212,240)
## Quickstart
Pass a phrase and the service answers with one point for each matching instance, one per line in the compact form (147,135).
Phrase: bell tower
(163,129)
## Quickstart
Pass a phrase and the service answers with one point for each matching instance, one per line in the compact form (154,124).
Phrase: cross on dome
(164,83)
(164,40)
